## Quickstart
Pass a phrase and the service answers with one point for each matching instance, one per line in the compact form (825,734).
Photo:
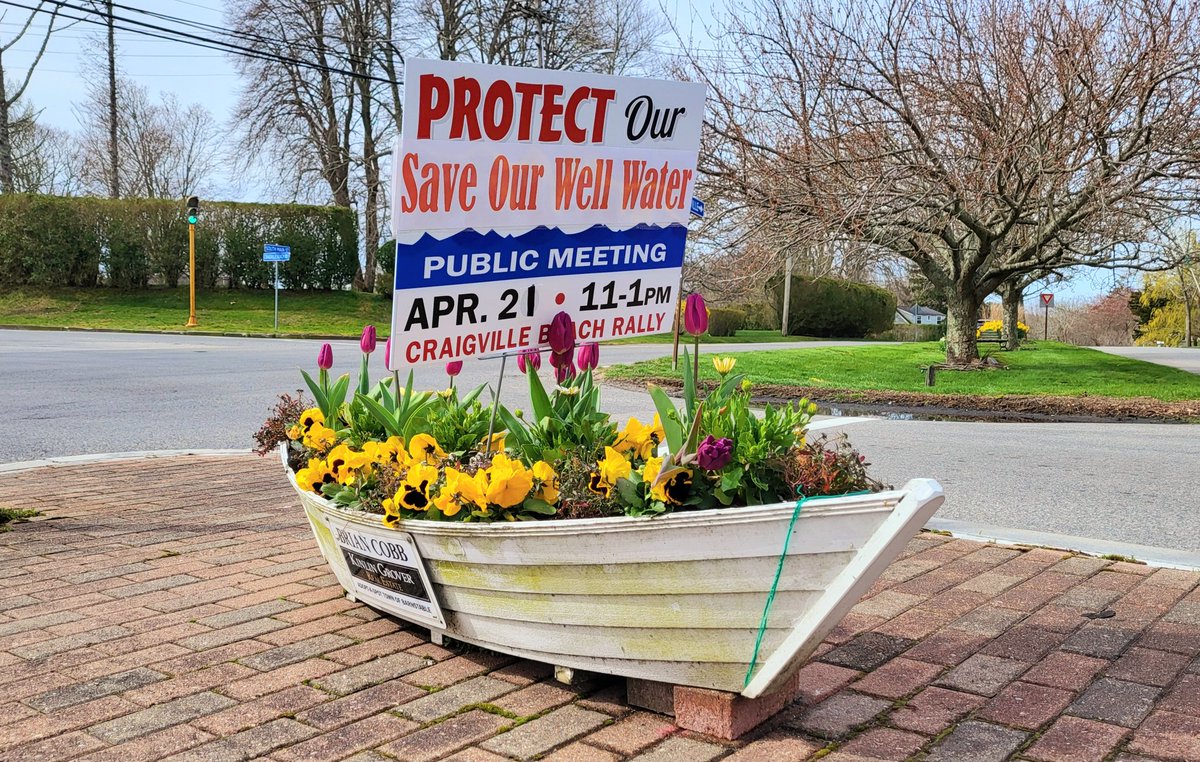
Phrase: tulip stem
(696,363)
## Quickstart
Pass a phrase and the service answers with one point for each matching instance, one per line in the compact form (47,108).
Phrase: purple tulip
(567,358)
(714,454)
(695,315)
(562,333)
(367,342)
(387,353)
(564,372)
(589,356)
(325,357)
(453,368)
(529,360)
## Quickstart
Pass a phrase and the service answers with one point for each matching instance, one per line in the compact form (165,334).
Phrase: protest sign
(521,192)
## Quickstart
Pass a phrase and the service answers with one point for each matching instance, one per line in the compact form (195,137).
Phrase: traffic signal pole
(191,323)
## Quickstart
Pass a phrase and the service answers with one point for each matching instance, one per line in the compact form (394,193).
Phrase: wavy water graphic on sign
(541,252)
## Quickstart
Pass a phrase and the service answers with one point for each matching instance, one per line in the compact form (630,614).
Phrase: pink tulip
(589,356)
(562,333)
(564,372)
(387,353)
(367,342)
(325,357)
(529,360)
(695,315)
(453,368)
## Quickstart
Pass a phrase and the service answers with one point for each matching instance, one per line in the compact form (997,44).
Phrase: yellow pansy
(545,473)
(391,512)
(613,467)
(497,442)
(384,452)
(320,438)
(631,437)
(723,365)
(425,448)
(314,476)
(413,494)
(307,420)
(672,490)
(459,490)
(509,481)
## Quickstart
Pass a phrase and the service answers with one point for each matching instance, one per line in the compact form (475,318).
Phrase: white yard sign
(387,572)
(519,193)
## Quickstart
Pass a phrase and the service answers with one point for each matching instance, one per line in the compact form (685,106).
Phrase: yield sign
(1047,300)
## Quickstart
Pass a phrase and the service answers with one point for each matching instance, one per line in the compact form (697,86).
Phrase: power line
(185,38)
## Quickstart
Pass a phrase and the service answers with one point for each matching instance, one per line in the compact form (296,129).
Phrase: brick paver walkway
(178,608)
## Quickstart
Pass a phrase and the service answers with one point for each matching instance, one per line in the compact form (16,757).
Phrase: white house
(918,315)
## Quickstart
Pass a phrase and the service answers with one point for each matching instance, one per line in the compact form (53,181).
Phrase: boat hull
(676,598)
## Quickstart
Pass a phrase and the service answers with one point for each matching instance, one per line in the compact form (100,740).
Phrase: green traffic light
(192,219)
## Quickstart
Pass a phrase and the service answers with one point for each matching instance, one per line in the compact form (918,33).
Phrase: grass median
(1043,377)
(337,313)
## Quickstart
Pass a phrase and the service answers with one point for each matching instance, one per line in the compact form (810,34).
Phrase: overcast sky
(207,77)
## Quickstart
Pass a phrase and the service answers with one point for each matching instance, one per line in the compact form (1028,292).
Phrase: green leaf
(689,386)
(538,398)
(537,505)
(630,492)
(317,392)
(384,417)
(669,417)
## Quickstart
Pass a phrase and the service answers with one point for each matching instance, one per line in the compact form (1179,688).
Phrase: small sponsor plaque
(388,572)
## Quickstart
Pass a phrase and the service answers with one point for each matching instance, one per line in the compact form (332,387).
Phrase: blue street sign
(273,252)
(697,207)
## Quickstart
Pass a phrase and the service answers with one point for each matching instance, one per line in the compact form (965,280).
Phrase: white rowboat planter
(676,598)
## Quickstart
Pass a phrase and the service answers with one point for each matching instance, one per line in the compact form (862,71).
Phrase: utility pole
(114,178)
(193,216)
(787,292)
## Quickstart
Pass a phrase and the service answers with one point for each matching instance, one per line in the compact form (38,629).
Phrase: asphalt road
(69,393)
(1176,357)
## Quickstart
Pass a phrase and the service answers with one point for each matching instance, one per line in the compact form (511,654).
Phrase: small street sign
(1048,300)
(273,252)
(697,207)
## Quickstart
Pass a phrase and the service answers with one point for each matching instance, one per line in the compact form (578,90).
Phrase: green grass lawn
(742,337)
(340,313)
(1040,368)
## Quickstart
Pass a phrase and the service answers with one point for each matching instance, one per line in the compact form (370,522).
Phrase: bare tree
(45,159)
(980,139)
(10,94)
(167,149)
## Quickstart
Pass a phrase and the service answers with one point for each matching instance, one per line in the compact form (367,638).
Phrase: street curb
(181,332)
(1168,558)
(1161,557)
(101,457)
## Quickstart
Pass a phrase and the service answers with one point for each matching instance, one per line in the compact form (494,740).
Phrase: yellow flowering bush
(998,327)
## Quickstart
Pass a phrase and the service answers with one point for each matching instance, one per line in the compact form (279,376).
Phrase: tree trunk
(1011,295)
(6,158)
(114,178)
(961,313)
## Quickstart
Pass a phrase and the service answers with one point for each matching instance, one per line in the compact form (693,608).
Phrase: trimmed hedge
(833,308)
(724,322)
(125,243)
(759,316)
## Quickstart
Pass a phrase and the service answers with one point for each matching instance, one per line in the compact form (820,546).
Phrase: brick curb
(105,457)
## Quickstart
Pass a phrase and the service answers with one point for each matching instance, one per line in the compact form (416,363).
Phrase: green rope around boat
(787,540)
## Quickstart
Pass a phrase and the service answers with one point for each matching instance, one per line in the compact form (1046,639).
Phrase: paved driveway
(1176,357)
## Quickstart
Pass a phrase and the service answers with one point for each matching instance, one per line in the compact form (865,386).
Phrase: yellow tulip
(724,364)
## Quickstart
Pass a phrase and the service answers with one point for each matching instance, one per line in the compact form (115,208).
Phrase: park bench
(990,337)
